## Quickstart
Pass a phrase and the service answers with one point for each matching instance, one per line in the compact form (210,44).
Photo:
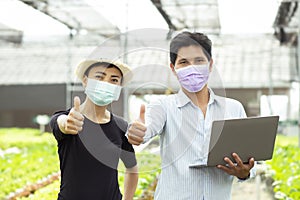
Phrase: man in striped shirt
(183,121)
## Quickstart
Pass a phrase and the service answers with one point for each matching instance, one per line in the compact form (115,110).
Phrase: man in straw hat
(91,139)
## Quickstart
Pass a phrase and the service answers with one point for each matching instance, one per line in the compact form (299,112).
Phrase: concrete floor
(252,189)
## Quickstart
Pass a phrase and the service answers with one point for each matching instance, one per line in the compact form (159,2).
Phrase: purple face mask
(194,77)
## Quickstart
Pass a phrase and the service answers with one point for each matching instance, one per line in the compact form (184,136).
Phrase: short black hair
(97,64)
(186,39)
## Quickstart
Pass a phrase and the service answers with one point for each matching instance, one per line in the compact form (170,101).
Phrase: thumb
(76,103)
(142,113)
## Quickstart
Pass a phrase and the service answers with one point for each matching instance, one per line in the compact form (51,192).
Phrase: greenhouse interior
(256,62)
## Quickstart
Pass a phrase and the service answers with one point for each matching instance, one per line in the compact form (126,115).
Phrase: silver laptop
(248,137)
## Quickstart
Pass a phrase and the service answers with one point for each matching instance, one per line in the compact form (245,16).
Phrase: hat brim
(85,64)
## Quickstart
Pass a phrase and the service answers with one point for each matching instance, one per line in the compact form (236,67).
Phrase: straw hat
(85,64)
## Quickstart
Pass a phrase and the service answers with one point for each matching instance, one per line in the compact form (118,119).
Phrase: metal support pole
(68,102)
(125,103)
(271,89)
(298,70)
(125,60)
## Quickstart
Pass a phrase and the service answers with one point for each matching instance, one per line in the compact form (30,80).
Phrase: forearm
(130,182)
(54,124)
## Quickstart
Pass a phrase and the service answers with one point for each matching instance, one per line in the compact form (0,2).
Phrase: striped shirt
(184,141)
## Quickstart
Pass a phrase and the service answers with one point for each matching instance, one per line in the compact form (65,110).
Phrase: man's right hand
(73,122)
(137,129)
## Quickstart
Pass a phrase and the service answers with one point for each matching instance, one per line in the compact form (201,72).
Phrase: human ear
(84,81)
(211,62)
(173,68)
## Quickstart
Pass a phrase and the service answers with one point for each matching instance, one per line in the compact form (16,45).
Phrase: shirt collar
(212,96)
(182,99)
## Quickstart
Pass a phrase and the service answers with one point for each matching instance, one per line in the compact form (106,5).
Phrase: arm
(58,134)
(131,174)
(130,182)
(240,170)
(61,121)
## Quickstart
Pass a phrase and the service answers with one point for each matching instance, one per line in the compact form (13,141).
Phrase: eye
(200,60)
(182,62)
(115,80)
(99,77)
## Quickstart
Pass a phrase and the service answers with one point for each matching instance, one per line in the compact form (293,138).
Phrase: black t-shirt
(89,160)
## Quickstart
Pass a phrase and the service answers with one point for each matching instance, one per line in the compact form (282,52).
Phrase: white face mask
(102,93)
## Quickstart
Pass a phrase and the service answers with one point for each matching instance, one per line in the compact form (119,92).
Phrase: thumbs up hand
(73,122)
(137,129)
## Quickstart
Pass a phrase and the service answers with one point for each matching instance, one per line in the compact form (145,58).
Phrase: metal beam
(42,6)
(298,65)
(157,4)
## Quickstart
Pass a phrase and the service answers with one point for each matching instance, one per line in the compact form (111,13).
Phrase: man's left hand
(239,169)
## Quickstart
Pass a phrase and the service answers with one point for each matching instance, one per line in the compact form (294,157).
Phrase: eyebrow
(103,73)
(115,76)
(201,57)
(182,59)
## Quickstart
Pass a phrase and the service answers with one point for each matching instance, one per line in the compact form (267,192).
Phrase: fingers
(229,162)
(136,133)
(74,121)
(76,115)
(228,169)
(139,126)
(72,129)
(137,129)
(237,159)
(75,111)
(135,140)
(240,163)
(225,169)
(73,125)
(142,113)
(239,169)
(251,163)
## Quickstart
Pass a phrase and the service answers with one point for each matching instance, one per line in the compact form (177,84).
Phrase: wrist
(61,121)
(245,178)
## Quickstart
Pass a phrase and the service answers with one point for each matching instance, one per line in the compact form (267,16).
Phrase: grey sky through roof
(231,53)
(190,14)
(47,55)
(76,15)
(243,62)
